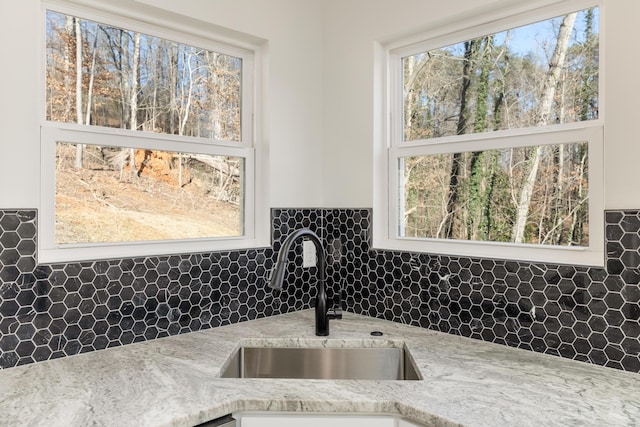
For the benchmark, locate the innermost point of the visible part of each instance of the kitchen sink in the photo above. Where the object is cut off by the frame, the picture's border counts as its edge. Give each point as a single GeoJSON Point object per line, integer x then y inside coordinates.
{"type": "Point", "coordinates": [377, 363]}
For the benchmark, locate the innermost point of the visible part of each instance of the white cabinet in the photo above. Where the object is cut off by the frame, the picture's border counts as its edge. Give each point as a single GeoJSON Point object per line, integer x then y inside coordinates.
{"type": "Point", "coordinates": [292, 419]}
{"type": "Point", "coordinates": [403, 422]}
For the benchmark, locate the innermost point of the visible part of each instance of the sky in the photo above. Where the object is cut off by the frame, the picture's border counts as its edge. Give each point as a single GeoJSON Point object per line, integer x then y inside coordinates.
{"type": "Point", "coordinates": [532, 38]}
{"type": "Point", "coordinates": [535, 38]}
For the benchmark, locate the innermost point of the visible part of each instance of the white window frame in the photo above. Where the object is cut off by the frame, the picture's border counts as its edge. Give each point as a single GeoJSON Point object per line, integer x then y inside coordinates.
{"type": "Point", "coordinates": [389, 145]}
{"type": "Point", "coordinates": [254, 183]}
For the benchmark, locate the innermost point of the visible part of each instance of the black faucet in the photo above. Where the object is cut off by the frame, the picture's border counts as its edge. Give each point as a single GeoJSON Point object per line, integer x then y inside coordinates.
{"type": "Point", "coordinates": [277, 278]}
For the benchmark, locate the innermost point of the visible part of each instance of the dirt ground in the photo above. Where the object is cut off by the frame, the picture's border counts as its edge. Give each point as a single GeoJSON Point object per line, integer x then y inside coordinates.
{"type": "Point", "coordinates": [95, 205]}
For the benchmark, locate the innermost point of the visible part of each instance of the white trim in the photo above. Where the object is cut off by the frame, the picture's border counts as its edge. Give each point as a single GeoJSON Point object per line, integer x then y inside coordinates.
{"type": "Point", "coordinates": [486, 21]}
{"type": "Point", "coordinates": [100, 135]}
{"type": "Point", "coordinates": [389, 146]}
{"type": "Point", "coordinates": [139, 249]}
{"type": "Point", "coordinates": [547, 135]}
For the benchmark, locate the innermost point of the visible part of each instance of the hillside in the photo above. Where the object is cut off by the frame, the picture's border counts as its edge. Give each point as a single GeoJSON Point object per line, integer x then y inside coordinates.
{"type": "Point", "coordinates": [94, 204]}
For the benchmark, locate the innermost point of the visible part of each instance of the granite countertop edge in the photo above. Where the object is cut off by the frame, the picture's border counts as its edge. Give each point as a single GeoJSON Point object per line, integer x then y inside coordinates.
{"type": "Point", "coordinates": [175, 381]}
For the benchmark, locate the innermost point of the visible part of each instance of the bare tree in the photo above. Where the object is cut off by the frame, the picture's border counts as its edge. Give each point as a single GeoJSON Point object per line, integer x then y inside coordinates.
{"type": "Point", "coordinates": [133, 100]}
{"type": "Point", "coordinates": [78, 91]}
{"type": "Point", "coordinates": [92, 75]}
{"type": "Point", "coordinates": [449, 220]}
{"type": "Point", "coordinates": [548, 92]}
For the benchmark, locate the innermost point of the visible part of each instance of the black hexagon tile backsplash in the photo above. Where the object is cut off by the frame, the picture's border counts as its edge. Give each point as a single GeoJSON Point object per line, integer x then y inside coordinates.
{"type": "Point", "coordinates": [583, 313]}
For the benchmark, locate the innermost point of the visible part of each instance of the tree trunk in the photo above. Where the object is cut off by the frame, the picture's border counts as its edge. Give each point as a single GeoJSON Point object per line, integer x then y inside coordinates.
{"type": "Point", "coordinates": [133, 102]}
{"type": "Point", "coordinates": [454, 176]}
{"type": "Point", "coordinates": [478, 176]}
{"type": "Point", "coordinates": [79, 147]}
{"type": "Point", "coordinates": [558, 210]}
{"type": "Point", "coordinates": [575, 231]}
{"type": "Point", "coordinates": [589, 89]}
{"type": "Point", "coordinates": [92, 73]}
{"type": "Point", "coordinates": [152, 126]}
{"type": "Point", "coordinates": [173, 86]}
{"type": "Point", "coordinates": [69, 53]}
{"type": "Point", "coordinates": [133, 119]}
{"type": "Point", "coordinates": [185, 112]}
{"type": "Point", "coordinates": [189, 96]}
{"type": "Point", "coordinates": [546, 103]}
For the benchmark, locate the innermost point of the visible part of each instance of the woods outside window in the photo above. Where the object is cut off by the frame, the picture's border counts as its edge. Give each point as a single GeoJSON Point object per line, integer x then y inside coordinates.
{"type": "Point", "coordinates": [494, 143]}
{"type": "Point", "coordinates": [148, 143]}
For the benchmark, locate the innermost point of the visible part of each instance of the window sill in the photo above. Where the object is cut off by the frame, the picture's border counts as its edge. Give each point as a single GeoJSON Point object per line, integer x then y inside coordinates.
{"type": "Point", "coordinates": [593, 257]}
{"type": "Point", "coordinates": [135, 250]}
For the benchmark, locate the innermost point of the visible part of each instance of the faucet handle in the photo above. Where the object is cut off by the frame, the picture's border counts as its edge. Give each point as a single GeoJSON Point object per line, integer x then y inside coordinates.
{"type": "Point", "coordinates": [334, 313]}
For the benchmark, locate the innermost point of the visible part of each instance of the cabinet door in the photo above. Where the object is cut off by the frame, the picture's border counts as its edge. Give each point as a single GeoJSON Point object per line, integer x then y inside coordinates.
{"type": "Point", "coordinates": [403, 422]}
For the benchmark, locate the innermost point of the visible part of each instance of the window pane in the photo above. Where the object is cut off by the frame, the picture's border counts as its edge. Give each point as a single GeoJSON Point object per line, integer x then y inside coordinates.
{"type": "Point", "coordinates": [479, 195]}
{"type": "Point", "coordinates": [128, 80]}
{"type": "Point", "coordinates": [160, 196]}
{"type": "Point", "coordinates": [505, 80]}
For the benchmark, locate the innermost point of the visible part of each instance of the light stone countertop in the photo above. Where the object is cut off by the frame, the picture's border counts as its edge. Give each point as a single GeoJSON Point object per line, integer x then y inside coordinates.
{"type": "Point", "coordinates": [174, 381]}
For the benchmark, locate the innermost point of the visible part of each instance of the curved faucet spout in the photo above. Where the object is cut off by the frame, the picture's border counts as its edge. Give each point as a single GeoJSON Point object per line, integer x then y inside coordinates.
{"type": "Point", "coordinates": [279, 271]}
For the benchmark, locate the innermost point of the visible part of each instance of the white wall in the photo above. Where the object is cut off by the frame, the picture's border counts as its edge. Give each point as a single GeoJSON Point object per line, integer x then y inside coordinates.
{"type": "Point", "coordinates": [19, 132]}
{"type": "Point", "coordinates": [320, 87]}
{"type": "Point", "coordinates": [352, 26]}
{"type": "Point", "coordinates": [622, 89]}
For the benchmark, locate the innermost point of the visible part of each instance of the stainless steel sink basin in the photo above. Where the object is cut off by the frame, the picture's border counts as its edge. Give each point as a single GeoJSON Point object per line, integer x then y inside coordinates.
{"type": "Point", "coordinates": [379, 363]}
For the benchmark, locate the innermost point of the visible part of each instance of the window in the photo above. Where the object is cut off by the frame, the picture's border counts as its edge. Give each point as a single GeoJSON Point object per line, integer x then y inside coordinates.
{"type": "Point", "coordinates": [148, 140]}
{"type": "Point", "coordinates": [492, 138]}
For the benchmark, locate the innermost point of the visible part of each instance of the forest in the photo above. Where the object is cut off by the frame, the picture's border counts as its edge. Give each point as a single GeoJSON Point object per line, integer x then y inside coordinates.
{"type": "Point", "coordinates": [100, 75]}
{"type": "Point", "coordinates": [534, 76]}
